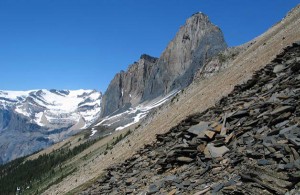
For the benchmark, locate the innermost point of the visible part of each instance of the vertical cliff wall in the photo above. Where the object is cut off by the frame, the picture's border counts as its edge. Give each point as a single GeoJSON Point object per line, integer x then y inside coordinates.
{"type": "Point", "coordinates": [197, 40]}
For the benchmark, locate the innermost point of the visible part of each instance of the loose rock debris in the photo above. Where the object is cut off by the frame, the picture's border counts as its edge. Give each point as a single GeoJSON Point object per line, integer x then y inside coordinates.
{"type": "Point", "coordinates": [249, 143]}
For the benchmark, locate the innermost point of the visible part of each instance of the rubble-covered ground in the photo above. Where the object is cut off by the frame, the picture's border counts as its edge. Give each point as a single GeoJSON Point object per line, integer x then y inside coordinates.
{"type": "Point", "coordinates": [249, 143]}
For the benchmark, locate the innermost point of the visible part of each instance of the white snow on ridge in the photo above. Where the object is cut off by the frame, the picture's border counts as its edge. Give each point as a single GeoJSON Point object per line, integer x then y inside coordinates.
{"type": "Point", "coordinates": [139, 112]}
{"type": "Point", "coordinates": [93, 132]}
{"type": "Point", "coordinates": [60, 103]}
{"type": "Point", "coordinates": [95, 96]}
{"type": "Point", "coordinates": [21, 111]}
{"type": "Point", "coordinates": [66, 106]}
{"type": "Point", "coordinates": [136, 119]}
{"type": "Point", "coordinates": [13, 95]}
{"type": "Point", "coordinates": [38, 118]}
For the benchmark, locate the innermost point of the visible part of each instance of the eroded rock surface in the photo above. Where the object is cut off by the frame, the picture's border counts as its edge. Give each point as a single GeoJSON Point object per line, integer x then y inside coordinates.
{"type": "Point", "coordinates": [196, 41]}
{"type": "Point", "coordinates": [253, 148]}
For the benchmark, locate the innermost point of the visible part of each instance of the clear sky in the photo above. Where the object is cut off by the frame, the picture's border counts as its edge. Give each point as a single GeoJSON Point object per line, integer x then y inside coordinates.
{"type": "Point", "coordinates": [73, 44]}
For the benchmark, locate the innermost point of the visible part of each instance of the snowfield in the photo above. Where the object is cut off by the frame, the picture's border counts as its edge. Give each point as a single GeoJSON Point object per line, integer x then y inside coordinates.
{"type": "Point", "coordinates": [53, 108]}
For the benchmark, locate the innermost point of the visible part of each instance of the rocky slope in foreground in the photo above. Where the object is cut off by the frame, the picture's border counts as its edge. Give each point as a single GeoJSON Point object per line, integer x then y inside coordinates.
{"type": "Point", "coordinates": [248, 143]}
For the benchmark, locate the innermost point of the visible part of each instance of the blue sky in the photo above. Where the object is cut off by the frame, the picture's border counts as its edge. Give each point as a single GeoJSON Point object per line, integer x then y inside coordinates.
{"type": "Point", "coordinates": [73, 44]}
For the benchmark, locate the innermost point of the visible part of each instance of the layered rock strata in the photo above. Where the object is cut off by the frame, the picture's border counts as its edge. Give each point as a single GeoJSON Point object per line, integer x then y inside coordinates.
{"type": "Point", "coordinates": [247, 144]}
{"type": "Point", "coordinates": [149, 78]}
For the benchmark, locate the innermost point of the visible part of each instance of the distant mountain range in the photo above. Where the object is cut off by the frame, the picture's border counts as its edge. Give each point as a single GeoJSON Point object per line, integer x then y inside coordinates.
{"type": "Point", "coordinates": [32, 120]}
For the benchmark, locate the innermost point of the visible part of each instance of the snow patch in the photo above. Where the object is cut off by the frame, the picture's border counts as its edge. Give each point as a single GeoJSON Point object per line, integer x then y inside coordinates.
{"type": "Point", "coordinates": [139, 112]}
{"type": "Point", "coordinates": [66, 106]}
{"type": "Point", "coordinates": [38, 118]}
{"type": "Point", "coordinates": [15, 94]}
{"type": "Point", "coordinates": [21, 111]}
{"type": "Point", "coordinates": [93, 132]}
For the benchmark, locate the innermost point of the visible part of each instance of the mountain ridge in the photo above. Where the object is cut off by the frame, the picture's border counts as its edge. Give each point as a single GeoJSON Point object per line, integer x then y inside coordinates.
{"type": "Point", "coordinates": [151, 77]}
{"type": "Point", "coordinates": [199, 96]}
{"type": "Point", "coordinates": [48, 115]}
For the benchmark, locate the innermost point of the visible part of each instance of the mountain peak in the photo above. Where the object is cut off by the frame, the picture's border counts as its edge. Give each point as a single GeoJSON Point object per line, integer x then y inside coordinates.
{"type": "Point", "coordinates": [148, 57]}
{"type": "Point", "coordinates": [149, 78]}
{"type": "Point", "coordinates": [199, 14]}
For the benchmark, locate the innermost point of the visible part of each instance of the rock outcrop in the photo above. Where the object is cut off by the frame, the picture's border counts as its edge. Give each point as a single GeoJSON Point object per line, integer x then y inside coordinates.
{"type": "Point", "coordinates": [248, 143]}
{"type": "Point", "coordinates": [127, 88]}
{"type": "Point", "coordinates": [149, 78]}
{"type": "Point", "coordinates": [218, 62]}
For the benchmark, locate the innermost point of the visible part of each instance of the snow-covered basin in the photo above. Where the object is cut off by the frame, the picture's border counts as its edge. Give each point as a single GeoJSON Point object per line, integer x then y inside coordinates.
{"type": "Point", "coordinates": [49, 106]}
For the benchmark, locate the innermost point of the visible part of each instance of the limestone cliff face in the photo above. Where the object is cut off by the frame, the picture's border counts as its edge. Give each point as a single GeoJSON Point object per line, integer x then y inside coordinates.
{"type": "Point", "coordinates": [127, 88]}
{"type": "Point", "coordinates": [149, 78]}
{"type": "Point", "coordinates": [196, 41]}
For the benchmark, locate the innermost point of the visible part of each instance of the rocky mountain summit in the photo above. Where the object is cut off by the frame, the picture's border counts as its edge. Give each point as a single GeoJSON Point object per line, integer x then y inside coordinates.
{"type": "Point", "coordinates": [149, 78]}
{"type": "Point", "coordinates": [32, 120]}
{"type": "Point", "coordinates": [248, 143]}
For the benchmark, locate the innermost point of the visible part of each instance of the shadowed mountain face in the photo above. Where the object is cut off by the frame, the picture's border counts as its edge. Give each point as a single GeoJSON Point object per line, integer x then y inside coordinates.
{"type": "Point", "coordinates": [32, 120]}
{"type": "Point", "coordinates": [152, 77]}
{"type": "Point", "coordinates": [20, 137]}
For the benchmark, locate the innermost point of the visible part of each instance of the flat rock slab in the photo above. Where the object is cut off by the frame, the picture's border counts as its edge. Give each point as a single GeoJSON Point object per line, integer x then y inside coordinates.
{"type": "Point", "coordinates": [184, 159]}
{"type": "Point", "coordinates": [216, 151]}
{"type": "Point", "coordinates": [295, 141]}
{"type": "Point", "coordinates": [238, 114]}
{"type": "Point", "coordinates": [278, 68]}
{"type": "Point", "coordinates": [263, 162]}
{"type": "Point", "coordinates": [210, 134]}
{"type": "Point", "coordinates": [218, 128]}
{"type": "Point", "coordinates": [282, 109]}
{"type": "Point", "coordinates": [172, 192]}
{"type": "Point", "coordinates": [170, 178]}
{"type": "Point", "coordinates": [152, 189]}
{"type": "Point", "coordinates": [199, 129]}
{"type": "Point", "coordinates": [288, 129]}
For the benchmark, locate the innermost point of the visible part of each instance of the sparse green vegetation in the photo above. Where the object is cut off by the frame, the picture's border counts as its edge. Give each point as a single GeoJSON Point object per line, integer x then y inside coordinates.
{"type": "Point", "coordinates": [35, 176]}
{"type": "Point", "coordinates": [116, 140]}
{"type": "Point", "coordinates": [127, 133]}
{"type": "Point", "coordinates": [175, 98]}
{"type": "Point", "coordinates": [222, 57]}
